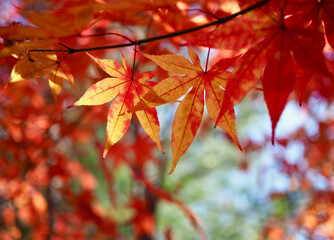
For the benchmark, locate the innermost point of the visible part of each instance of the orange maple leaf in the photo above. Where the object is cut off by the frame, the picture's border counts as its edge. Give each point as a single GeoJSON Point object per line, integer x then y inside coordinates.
{"type": "Point", "coordinates": [190, 112]}
{"type": "Point", "coordinates": [37, 64]}
{"type": "Point", "coordinates": [124, 89]}
{"type": "Point", "coordinates": [72, 18]}
{"type": "Point", "coordinates": [21, 47]}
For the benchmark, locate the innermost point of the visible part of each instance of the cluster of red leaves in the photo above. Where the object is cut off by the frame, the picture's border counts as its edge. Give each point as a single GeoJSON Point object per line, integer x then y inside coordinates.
{"type": "Point", "coordinates": [284, 42]}
{"type": "Point", "coordinates": [280, 43]}
{"type": "Point", "coordinates": [37, 171]}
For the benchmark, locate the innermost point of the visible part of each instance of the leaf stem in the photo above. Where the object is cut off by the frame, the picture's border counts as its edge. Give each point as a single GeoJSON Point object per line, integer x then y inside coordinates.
{"type": "Point", "coordinates": [134, 62]}
{"type": "Point", "coordinates": [207, 61]}
{"type": "Point", "coordinates": [161, 37]}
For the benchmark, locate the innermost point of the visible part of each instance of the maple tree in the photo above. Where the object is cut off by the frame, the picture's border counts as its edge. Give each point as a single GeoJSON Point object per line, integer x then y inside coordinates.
{"type": "Point", "coordinates": [128, 55]}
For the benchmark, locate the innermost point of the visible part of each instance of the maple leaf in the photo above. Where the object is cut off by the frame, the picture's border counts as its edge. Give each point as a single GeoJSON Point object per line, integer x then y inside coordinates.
{"type": "Point", "coordinates": [72, 18]}
{"type": "Point", "coordinates": [37, 64]}
{"type": "Point", "coordinates": [124, 89]}
{"type": "Point", "coordinates": [141, 5]}
{"type": "Point", "coordinates": [317, 16]}
{"type": "Point", "coordinates": [18, 48]}
{"type": "Point", "coordinates": [278, 46]}
{"type": "Point", "coordinates": [190, 112]}
{"type": "Point", "coordinates": [18, 32]}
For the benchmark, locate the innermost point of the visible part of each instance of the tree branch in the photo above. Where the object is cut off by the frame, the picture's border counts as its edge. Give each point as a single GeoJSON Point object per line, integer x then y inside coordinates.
{"type": "Point", "coordinates": [170, 35]}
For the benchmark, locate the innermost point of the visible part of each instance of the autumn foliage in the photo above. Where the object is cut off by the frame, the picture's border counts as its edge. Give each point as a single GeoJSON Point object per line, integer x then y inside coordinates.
{"type": "Point", "coordinates": [69, 69]}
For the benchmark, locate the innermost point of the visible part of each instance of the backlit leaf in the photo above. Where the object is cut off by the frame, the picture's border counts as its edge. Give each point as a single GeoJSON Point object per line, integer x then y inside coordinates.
{"type": "Point", "coordinates": [126, 89]}
{"type": "Point", "coordinates": [189, 113]}
{"type": "Point", "coordinates": [37, 64]}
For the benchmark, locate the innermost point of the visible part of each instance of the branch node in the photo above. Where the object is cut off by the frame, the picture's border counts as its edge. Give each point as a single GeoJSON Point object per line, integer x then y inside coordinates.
{"type": "Point", "coordinates": [70, 50]}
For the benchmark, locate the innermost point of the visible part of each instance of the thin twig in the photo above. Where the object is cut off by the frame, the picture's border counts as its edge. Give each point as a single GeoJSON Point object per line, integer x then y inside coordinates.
{"type": "Point", "coordinates": [157, 38]}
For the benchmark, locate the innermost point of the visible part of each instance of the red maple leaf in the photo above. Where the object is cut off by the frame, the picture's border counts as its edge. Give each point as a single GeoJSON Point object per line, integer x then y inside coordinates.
{"type": "Point", "coordinates": [124, 89]}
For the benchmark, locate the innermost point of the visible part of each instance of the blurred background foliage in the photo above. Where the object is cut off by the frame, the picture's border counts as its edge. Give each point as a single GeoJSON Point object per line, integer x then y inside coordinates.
{"type": "Point", "coordinates": [54, 184]}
